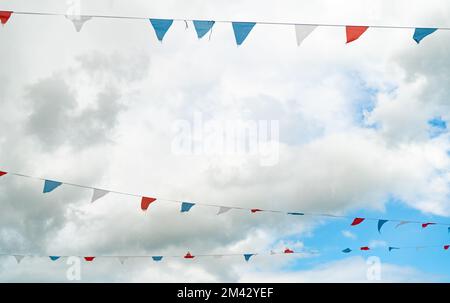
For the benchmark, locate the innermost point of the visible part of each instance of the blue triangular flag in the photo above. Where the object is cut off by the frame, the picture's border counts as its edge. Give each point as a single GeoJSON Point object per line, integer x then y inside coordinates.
{"type": "Point", "coordinates": [241, 30]}
{"type": "Point", "coordinates": [202, 27]}
{"type": "Point", "coordinates": [50, 185]}
{"type": "Point", "coordinates": [186, 206]}
{"type": "Point", "coordinates": [161, 26]}
{"type": "Point", "coordinates": [248, 256]}
{"type": "Point", "coordinates": [54, 258]}
{"type": "Point", "coordinates": [157, 258]}
{"type": "Point", "coordinates": [347, 250]}
{"type": "Point", "coordinates": [421, 33]}
{"type": "Point", "coordinates": [296, 214]}
{"type": "Point", "coordinates": [380, 224]}
{"type": "Point", "coordinates": [392, 248]}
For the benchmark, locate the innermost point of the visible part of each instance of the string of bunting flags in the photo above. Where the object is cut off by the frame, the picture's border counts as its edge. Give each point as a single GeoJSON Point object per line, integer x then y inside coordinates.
{"type": "Point", "coordinates": [159, 258]}
{"type": "Point", "coordinates": [247, 256]}
{"type": "Point", "coordinates": [185, 207]}
{"type": "Point", "coordinates": [241, 30]}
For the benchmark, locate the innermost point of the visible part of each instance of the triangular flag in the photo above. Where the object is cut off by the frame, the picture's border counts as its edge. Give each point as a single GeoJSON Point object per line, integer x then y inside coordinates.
{"type": "Point", "coordinates": [248, 256]}
{"type": "Point", "coordinates": [357, 221]}
{"type": "Point", "coordinates": [189, 256]}
{"type": "Point", "coordinates": [365, 248]}
{"type": "Point", "coordinates": [122, 259]}
{"type": "Point", "coordinates": [161, 26]}
{"type": "Point", "coordinates": [347, 250]}
{"type": "Point", "coordinates": [157, 258]}
{"type": "Point", "coordinates": [303, 31]}
{"type": "Point", "coordinates": [54, 258]}
{"type": "Point", "coordinates": [446, 247]}
{"type": "Point", "coordinates": [186, 206]}
{"type": "Point", "coordinates": [2, 173]}
{"type": "Point", "coordinates": [255, 210]}
{"type": "Point", "coordinates": [19, 258]}
{"type": "Point", "coordinates": [241, 30]}
{"type": "Point", "coordinates": [288, 251]}
{"type": "Point", "coordinates": [296, 214]}
{"type": "Point", "coordinates": [98, 193]}
{"type": "Point", "coordinates": [50, 185]}
{"type": "Point", "coordinates": [202, 27]}
{"type": "Point", "coordinates": [393, 248]}
{"type": "Point", "coordinates": [402, 223]}
{"type": "Point", "coordinates": [4, 16]}
{"type": "Point", "coordinates": [89, 259]}
{"type": "Point", "coordinates": [425, 225]}
{"type": "Point", "coordinates": [78, 21]}
{"type": "Point", "coordinates": [223, 210]}
{"type": "Point", "coordinates": [420, 33]}
{"type": "Point", "coordinates": [380, 224]}
{"type": "Point", "coordinates": [354, 32]}
{"type": "Point", "coordinates": [146, 201]}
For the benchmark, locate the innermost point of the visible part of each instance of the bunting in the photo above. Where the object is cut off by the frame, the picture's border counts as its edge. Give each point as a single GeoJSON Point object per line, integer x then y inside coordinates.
{"type": "Point", "coordinates": [202, 27]}
{"type": "Point", "coordinates": [186, 206]}
{"type": "Point", "coordinates": [50, 186]}
{"type": "Point", "coordinates": [302, 32]}
{"type": "Point", "coordinates": [420, 33]}
{"type": "Point", "coordinates": [241, 30]}
{"type": "Point", "coordinates": [223, 209]}
{"type": "Point", "coordinates": [161, 26]}
{"type": "Point", "coordinates": [354, 32]}
{"type": "Point", "coordinates": [189, 256]}
{"type": "Point", "coordinates": [97, 193]}
{"type": "Point", "coordinates": [357, 221]}
{"type": "Point", "coordinates": [78, 21]}
{"type": "Point", "coordinates": [248, 256]}
{"type": "Point", "coordinates": [381, 223]}
{"type": "Point", "coordinates": [146, 201]}
{"type": "Point", "coordinates": [4, 16]}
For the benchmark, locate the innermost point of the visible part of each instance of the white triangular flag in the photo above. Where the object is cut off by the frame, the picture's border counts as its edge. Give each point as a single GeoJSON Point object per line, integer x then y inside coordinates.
{"type": "Point", "coordinates": [223, 210]}
{"type": "Point", "coordinates": [303, 31]}
{"type": "Point", "coordinates": [98, 193]}
{"type": "Point", "coordinates": [19, 258]}
{"type": "Point", "coordinates": [122, 260]}
{"type": "Point", "coordinates": [401, 223]}
{"type": "Point", "coordinates": [78, 21]}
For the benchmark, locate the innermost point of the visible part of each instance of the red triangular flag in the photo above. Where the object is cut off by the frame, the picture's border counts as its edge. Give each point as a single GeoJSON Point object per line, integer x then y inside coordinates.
{"type": "Point", "coordinates": [357, 221]}
{"type": "Point", "coordinates": [425, 225]}
{"type": "Point", "coordinates": [4, 16]}
{"type": "Point", "coordinates": [89, 259]}
{"type": "Point", "coordinates": [446, 247]}
{"type": "Point", "coordinates": [288, 251]}
{"type": "Point", "coordinates": [189, 256]}
{"type": "Point", "coordinates": [365, 248]}
{"type": "Point", "coordinates": [146, 201]}
{"type": "Point", "coordinates": [254, 210]}
{"type": "Point", "coordinates": [2, 173]}
{"type": "Point", "coordinates": [354, 32]}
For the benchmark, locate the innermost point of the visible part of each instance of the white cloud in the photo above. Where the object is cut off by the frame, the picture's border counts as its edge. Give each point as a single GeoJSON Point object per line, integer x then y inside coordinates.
{"type": "Point", "coordinates": [328, 161]}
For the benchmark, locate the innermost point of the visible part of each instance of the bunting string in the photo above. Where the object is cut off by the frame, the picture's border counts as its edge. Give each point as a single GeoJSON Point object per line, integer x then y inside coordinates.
{"type": "Point", "coordinates": [148, 200]}
{"type": "Point", "coordinates": [247, 256]}
{"type": "Point", "coordinates": [241, 29]}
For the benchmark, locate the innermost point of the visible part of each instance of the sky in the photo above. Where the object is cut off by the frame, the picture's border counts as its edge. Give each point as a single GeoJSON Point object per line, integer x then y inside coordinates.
{"type": "Point", "coordinates": [360, 130]}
